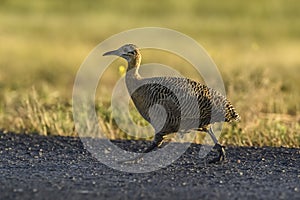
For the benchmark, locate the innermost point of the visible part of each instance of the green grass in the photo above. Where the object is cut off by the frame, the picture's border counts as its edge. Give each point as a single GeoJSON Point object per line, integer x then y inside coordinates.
{"type": "Point", "coordinates": [255, 44]}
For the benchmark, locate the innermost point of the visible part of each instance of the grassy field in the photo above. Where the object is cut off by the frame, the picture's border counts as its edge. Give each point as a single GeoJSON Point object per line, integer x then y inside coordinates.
{"type": "Point", "coordinates": [255, 44]}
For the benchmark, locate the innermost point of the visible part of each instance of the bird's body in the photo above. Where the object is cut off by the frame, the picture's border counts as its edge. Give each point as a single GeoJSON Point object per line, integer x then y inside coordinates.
{"type": "Point", "coordinates": [172, 104]}
{"type": "Point", "coordinates": [186, 102]}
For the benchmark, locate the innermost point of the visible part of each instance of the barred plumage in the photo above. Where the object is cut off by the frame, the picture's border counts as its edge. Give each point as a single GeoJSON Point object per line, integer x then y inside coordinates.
{"type": "Point", "coordinates": [172, 104]}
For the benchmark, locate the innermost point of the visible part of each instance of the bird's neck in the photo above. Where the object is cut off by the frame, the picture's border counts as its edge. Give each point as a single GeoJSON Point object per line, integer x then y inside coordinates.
{"type": "Point", "coordinates": [133, 68]}
{"type": "Point", "coordinates": [132, 77]}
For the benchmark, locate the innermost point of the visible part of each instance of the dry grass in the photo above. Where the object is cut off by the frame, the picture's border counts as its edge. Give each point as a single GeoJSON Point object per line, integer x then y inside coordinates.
{"type": "Point", "coordinates": [255, 45]}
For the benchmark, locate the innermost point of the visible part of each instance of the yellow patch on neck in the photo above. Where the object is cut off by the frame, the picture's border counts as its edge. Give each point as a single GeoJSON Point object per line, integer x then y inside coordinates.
{"type": "Point", "coordinates": [122, 70]}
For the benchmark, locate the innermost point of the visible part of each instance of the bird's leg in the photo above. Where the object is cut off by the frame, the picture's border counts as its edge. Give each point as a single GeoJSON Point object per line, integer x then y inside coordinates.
{"type": "Point", "coordinates": [220, 149]}
{"type": "Point", "coordinates": [158, 138]}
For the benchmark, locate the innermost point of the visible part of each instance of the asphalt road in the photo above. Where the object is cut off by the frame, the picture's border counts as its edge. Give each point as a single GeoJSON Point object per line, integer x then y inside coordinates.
{"type": "Point", "coordinates": [38, 167]}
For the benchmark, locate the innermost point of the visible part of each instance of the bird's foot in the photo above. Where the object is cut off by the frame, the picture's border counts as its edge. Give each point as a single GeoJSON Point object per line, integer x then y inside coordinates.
{"type": "Point", "coordinates": [221, 154]}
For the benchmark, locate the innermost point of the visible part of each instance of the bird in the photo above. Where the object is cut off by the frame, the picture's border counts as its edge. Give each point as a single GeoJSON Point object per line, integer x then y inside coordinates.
{"type": "Point", "coordinates": [183, 103]}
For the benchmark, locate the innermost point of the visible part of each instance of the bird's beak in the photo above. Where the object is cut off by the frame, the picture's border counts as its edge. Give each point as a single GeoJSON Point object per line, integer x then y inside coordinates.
{"type": "Point", "coordinates": [115, 52]}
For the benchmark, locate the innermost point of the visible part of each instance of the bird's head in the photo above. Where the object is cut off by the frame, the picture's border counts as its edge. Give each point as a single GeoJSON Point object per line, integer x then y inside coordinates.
{"type": "Point", "coordinates": [129, 52]}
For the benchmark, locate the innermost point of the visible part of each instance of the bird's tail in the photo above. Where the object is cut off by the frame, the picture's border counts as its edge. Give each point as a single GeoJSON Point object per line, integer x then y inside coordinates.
{"type": "Point", "coordinates": [231, 114]}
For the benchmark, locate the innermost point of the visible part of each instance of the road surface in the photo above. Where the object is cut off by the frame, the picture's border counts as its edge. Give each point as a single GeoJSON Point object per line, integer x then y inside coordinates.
{"type": "Point", "coordinates": [39, 167]}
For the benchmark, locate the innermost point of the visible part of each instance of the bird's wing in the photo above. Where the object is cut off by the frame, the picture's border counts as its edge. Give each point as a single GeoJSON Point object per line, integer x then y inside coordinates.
{"type": "Point", "coordinates": [195, 100]}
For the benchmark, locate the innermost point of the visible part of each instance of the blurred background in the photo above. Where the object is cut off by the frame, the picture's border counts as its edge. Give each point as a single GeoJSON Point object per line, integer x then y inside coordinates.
{"type": "Point", "coordinates": [255, 44]}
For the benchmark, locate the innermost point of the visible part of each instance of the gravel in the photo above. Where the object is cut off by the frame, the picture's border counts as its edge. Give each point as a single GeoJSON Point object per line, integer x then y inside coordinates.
{"type": "Point", "coordinates": [52, 167]}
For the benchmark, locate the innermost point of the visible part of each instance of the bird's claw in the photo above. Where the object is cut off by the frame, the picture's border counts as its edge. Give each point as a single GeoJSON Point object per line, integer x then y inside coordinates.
{"type": "Point", "coordinates": [221, 154]}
